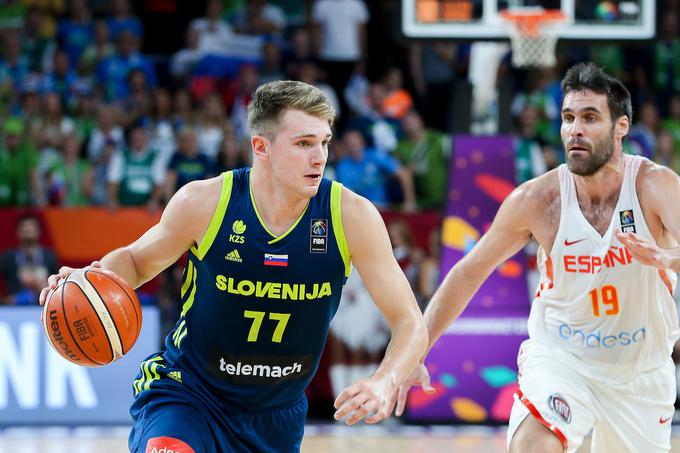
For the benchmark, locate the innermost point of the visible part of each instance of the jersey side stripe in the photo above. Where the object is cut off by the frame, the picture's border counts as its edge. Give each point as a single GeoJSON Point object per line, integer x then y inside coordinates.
{"type": "Point", "coordinates": [139, 384]}
{"type": "Point", "coordinates": [338, 229]}
{"type": "Point", "coordinates": [152, 369]}
{"type": "Point", "coordinates": [216, 221]}
{"type": "Point", "coordinates": [190, 301]}
{"type": "Point", "coordinates": [666, 280]}
{"type": "Point", "coordinates": [187, 278]}
{"type": "Point", "coordinates": [177, 333]}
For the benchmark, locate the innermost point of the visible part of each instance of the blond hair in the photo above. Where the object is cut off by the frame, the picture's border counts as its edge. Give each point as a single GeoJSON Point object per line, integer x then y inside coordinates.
{"type": "Point", "coordinates": [273, 99]}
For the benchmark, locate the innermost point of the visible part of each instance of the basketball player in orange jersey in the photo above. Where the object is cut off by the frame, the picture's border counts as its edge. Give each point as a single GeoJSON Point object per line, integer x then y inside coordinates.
{"type": "Point", "coordinates": [269, 249]}
{"type": "Point", "coordinates": [602, 324]}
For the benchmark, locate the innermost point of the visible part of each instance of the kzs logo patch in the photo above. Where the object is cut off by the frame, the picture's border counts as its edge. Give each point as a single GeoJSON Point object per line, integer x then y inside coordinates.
{"type": "Point", "coordinates": [560, 407]}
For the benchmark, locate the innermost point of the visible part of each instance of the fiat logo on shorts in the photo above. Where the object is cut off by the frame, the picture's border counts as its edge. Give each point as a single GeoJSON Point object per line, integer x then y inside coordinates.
{"type": "Point", "coordinates": [559, 406]}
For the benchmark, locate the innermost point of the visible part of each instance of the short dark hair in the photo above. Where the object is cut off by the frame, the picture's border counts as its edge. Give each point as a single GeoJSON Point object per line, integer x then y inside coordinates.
{"type": "Point", "coordinates": [589, 76]}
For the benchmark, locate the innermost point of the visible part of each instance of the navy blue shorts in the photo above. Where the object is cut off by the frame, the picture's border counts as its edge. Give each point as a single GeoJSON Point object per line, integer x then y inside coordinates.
{"type": "Point", "coordinates": [171, 418]}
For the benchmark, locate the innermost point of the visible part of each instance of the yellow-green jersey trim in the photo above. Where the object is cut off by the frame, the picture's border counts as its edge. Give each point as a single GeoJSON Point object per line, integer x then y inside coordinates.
{"type": "Point", "coordinates": [188, 278]}
{"type": "Point", "coordinates": [190, 300]}
{"type": "Point", "coordinates": [338, 229]}
{"type": "Point", "coordinates": [216, 221]}
{"type": "Point", "coordinates": [147, 367]}
{"type": "Point", "coordinates": [257, 213]}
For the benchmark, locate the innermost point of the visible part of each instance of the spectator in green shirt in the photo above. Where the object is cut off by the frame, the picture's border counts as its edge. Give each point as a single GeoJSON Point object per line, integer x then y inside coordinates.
{"type": "Point", "coordinates": [426, 153]}
{"type": "Point", "coordinates": [136, 174]}
{"type": "Point", "coordinates": [18, 160]}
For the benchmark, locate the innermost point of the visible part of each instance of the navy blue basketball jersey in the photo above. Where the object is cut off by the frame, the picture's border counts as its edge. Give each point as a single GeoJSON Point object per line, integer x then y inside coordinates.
{"type": "Point", "coordinates": [255, 306]}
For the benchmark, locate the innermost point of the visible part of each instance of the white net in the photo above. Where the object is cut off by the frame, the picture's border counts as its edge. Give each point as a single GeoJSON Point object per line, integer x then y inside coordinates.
{"type": "Point", "coordinates": [533, 39]}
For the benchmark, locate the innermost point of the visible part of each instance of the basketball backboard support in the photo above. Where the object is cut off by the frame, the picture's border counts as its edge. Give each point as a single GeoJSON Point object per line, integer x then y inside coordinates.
{"type": "Point", "coordinates": [480, 19]}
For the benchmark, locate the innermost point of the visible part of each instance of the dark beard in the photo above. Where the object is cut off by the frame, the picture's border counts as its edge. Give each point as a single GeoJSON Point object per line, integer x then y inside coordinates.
{"type": "Point", "coordinates": [600, 154]}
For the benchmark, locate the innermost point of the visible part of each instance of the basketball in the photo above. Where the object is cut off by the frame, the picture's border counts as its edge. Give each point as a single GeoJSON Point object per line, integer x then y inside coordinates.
{"type": "Point", "coordinates": [92, 318]}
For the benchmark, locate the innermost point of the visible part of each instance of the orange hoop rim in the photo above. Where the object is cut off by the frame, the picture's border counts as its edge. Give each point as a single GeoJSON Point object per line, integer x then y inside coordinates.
{"type": "Point", "coordinates": [528, 22]}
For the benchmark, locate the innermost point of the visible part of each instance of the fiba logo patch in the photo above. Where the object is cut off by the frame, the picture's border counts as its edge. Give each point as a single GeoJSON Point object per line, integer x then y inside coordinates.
{"type": "Point", "coordinates": [627, 221]}
{"type": "Point", "coordinates": [318, 236]}
{"type": "Point", "coordinates": [560, 407]}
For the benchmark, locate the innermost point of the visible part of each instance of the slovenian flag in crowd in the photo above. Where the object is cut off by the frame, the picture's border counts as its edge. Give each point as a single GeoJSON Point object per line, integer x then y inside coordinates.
{"type": "Point", "coordinates": [275, 260]}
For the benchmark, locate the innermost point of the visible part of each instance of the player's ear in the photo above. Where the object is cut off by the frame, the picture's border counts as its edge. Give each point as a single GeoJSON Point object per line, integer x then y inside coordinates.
{"type": "Point", "coordinates": [260, 145]}
{"type": "Point", "coordinates": [622, 126]}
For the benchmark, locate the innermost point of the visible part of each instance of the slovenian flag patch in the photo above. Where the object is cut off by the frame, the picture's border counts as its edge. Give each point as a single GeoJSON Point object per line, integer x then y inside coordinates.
{"type": "Point", "coordinates": [275, 260]}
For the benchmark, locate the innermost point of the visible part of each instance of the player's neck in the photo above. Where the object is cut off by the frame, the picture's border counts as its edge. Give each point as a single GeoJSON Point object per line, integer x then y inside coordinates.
{"type": "Point", "coordinates": [605, 182]}
{"type": "Point", "coordinates": [278, 209]}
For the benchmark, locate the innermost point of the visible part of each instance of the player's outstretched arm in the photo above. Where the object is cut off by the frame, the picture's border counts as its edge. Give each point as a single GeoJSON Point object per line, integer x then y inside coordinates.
{"type": "Point", "coordinates": [658, 191]}
{"type": "Point", "coordinates": [507, 235]}
{"type": "Point", "coordinates": [371, 252]}
{"type": "Point", "coordinates": [183, 223]}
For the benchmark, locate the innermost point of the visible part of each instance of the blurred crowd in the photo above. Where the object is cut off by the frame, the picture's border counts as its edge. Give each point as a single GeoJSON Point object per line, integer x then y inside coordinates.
{"type": "Point", "coordinates": [119, 104]}
{"type": "Point", "coordinates": [89, 117]}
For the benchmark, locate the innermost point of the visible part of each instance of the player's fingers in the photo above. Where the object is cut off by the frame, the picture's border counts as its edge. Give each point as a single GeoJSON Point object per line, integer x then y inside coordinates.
{"type": "Point", "coordinates": [348, 393]}
{"type": "Point", "coordinates": [382, 414]}
{"type": "Point", "coordinates": [96, 264]}
{"type": "Point", "coordinates": [389, 407]}
{"type": "Point", "coordinates": [65, 271]}
{"type": "Point", "coordinates": [351, 405]}
{"type": "Point", "coordinates": [427, 386]}
{"type": "Point", "coordinates": [43, 296]}
{"type": "Point", "coordinates": [362, 411]}
{"type": "Point", "coordinates": [52, 281]}
{"type": "Point", "coordinates": [401, 399]}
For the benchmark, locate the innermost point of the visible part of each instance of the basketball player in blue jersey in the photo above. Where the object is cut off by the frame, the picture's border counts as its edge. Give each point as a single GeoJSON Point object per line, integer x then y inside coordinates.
{"type": "Point", "coordinates": [603, 322]}
{"type": "Point", "coordinates": [269, 248]}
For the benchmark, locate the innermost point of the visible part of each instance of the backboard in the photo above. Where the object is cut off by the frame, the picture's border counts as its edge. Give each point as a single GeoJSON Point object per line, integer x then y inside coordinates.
{"type": "Point", "coordinates": [479, 19]}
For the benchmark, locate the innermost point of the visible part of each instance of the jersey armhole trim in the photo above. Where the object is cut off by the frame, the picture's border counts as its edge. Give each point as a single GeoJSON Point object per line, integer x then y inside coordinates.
{"type": "Point", "coordinates": [338, 229]}
{"type": "Point", "coordinates": [218, 216]}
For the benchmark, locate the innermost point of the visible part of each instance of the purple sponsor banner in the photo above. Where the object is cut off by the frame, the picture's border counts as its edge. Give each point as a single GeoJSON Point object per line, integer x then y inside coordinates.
{"type": "Point", "coordinates": [473, 365]}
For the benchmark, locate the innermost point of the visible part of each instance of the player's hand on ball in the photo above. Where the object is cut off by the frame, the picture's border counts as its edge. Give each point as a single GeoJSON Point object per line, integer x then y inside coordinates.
{"type": "Point", "coordinates": [419, 376]}
{"type": "Point", "coordinates": [53, 280]}
{"type": "Point", "coordinates": [372, 398]}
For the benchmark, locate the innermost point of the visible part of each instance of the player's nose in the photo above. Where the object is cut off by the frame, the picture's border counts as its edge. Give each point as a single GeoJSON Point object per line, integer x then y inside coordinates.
{"type": "Point", "coordinates": [577, 128]}
{"type": "Point", "coordinates": [319, 155]}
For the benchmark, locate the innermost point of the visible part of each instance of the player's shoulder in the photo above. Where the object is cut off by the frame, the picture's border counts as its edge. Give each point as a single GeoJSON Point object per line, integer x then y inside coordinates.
{"type": "Point", "coordinates": [201, 191]}
{"type": "Point", "coordinates": [354, 204]}
{"type": "Point", "coordinates": [650, 170]}
{"type": "Point", "coordinates": [537, 193]}
{"type": "Point", "coordinates": [197, 199]}
{"type": "Point", "coordinates": [653, 176]}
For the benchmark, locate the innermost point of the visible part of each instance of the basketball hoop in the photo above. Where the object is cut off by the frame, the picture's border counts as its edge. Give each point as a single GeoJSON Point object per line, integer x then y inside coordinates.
{"type": "Point", "coordinates": [533, 34]}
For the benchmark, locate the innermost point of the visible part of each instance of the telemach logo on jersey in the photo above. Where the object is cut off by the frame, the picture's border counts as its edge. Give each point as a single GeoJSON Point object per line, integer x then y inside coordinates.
{"type": "Point", "coordinates": [318, 236]}
{"type": "Point", "coordinates": [262, 369]}
{"type": "Point", "coordinates": [627, 221]}
{"type": "Point", "coordinates": [559, 406]}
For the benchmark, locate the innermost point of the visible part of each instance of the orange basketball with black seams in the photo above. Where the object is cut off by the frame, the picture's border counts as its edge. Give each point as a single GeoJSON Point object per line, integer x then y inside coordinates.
{"type": "Point", "coordinates": [92, 318]}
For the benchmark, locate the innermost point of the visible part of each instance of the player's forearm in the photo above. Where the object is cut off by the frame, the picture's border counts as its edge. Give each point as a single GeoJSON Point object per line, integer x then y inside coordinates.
{"type": "Point", "coordinates": [449, 301]}
{"type": "Point", "coordinates": [405, 350]}
{"type": "Point", "coordinates": [122, 262]}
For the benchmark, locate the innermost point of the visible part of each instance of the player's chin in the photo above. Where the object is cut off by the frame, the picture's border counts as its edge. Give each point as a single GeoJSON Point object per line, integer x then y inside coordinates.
{"type": "Point", "coordinates": [311, 186]}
